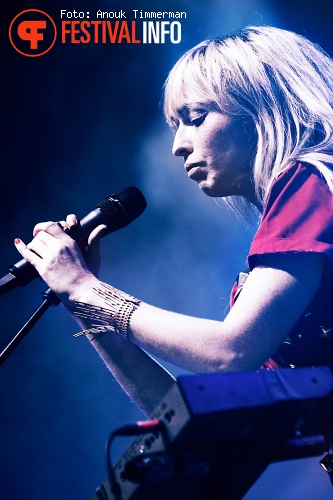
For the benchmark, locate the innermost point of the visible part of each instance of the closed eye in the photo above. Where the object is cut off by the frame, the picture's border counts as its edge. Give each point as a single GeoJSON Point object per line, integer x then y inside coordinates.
{"type": "Point", "coordinates": [193, 117]}
{"type": "Point", "coordinates": [196, 116]}
{"type": "Point", "coordinates": [196, 122]}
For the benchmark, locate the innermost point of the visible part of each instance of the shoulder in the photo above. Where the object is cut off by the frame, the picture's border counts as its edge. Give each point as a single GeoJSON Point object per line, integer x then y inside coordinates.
{"type": "Point", "coordinates": [297, 176]}
{"type": "Point", "coordinates": [298, 215]}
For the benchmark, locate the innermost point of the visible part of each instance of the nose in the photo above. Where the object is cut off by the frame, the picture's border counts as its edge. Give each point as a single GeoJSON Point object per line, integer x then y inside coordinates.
{"type": "Point", "coordinates": [182, 144]}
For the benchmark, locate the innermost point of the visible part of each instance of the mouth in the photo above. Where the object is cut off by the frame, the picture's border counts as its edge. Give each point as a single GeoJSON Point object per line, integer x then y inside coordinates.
{"type": "Point", "coordinates": [189, 166]}
{"type": "Point", "coordinates": [193, 170]}
{"type": "Point", "coordinates": [192, 167]}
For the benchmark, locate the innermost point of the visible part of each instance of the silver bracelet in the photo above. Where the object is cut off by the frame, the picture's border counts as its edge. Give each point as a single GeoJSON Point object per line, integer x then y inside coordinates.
{"type": "Point", "coordinates": [116, 316]}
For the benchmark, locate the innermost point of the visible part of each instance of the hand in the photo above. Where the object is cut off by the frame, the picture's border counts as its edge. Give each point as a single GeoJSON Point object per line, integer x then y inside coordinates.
{"type": "Point", "coordinates": [92, 252]}
{"type": "Point", "coordinates": [58, 259]}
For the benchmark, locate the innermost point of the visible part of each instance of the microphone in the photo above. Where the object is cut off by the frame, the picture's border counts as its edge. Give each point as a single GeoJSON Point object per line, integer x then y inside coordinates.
{"type": "Point", "coordinates": [115, 211]}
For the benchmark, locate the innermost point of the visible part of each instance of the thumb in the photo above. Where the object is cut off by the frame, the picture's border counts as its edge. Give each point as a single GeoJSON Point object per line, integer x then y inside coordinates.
{"type": "Point", "coordinates": [96, 235]}
{"type": "Point", "coordinates": [93, 256]}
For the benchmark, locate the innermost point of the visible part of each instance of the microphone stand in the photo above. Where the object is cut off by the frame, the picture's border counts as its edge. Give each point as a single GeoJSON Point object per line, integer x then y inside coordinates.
{"type": "Point", "coordinates": [50, 299]}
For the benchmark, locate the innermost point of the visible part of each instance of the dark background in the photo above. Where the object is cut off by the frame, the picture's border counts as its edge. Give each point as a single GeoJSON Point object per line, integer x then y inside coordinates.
{"type": "Point", "coordinates": [79, 123]}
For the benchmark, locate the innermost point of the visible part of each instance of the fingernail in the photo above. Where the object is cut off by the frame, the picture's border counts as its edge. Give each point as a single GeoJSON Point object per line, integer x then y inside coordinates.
{"type": "Point", "coordinates": [17, 241]}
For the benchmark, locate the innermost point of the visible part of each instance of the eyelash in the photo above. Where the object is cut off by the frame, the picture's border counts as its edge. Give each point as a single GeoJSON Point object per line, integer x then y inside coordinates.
{"type": "Point", "coordinates": [196, 122]}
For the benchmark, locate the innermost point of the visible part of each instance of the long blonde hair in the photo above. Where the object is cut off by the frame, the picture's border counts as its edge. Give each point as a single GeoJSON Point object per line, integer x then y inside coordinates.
{"type": "Point", "coordinates": [279, 79]}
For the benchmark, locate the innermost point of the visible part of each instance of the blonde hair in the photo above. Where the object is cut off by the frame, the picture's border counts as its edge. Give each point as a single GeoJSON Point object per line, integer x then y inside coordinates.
{"type": "Point", "coordinates": [279, 79]}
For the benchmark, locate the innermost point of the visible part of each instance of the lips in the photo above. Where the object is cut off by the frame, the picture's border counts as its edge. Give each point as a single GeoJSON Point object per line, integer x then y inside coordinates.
{"type": "Point", "coordinates": [189, 166]}
{"type": "Point", "coordinates": [193, 170]}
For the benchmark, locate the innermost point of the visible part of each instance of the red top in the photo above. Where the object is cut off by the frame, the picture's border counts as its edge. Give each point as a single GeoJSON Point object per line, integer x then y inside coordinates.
{"type": "Point", "coordinates": [298, 217]}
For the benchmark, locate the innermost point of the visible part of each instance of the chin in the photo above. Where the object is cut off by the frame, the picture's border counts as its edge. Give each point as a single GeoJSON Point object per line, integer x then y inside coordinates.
{"type": "Point", "coordinates": [212, 190]}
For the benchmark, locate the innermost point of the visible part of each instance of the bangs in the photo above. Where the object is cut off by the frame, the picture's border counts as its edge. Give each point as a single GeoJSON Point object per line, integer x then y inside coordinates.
{"type": "Point", "coordinates": [187, 84]}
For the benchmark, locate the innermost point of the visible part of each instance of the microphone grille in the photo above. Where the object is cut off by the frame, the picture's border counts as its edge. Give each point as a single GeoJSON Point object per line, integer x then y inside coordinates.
{"type": "Point", "coordinates": [123, 207]}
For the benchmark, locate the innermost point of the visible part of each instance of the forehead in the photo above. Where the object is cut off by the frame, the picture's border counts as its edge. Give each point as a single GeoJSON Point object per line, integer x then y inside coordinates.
{"type": "Point", "coordinates": [184, 99]}
{"type": "Point", "coordinates": [185, 89]}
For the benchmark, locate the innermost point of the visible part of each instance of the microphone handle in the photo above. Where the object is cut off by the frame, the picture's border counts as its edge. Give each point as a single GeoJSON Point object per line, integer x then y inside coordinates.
{"type": "Point", "coordinates": [23, 272]}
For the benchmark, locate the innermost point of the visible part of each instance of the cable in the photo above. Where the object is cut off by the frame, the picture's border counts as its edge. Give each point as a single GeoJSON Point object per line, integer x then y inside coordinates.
{"type": "Point", "coordinates": [127, 430]}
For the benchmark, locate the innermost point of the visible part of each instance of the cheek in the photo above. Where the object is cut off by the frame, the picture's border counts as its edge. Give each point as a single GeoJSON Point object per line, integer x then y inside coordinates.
{"type": "Point", "coordinates": [215, 142]}
{"type": "Point", "coordinates": [240, 147]}
{"type": "Point", "coordinates": [246, 153]}
{"type": "Point", "coordinates": [220, 145]}
{"type": "Point", "coordinates": [246, 141]}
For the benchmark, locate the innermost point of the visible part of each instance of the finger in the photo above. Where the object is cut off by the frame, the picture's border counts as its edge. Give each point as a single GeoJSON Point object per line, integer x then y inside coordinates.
{"type": "Point", "coordinates": [94, 256]}
{"type": "Point", "coordinates": [53, 237]}
{"type": "Point", "coordinates": [96, 235]}
{"type": "Point", "coordinates": [29, 255]}
{"type": "Point", "coordinates": [56, 231]}
{"type": "Point", "coordinates": [42, 226]}
{"type": "Point", "coordinates": [72, 220]}
{"type": "Point", "coordinates": [41, 244]}
{"type": "Point", "coordinates": [64, 225]}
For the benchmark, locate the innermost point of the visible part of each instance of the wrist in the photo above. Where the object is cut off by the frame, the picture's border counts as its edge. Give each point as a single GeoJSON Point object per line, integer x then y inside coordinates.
{"type": "Point", "coordinates": [82, 291]}
{"type": "Point", "coordinates": [108, 309]}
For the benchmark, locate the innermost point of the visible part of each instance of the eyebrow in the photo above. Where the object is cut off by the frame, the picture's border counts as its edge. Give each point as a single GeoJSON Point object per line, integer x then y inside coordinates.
{"type": "Point", "coordinates": [187, 108]}
{"type": "Point", "coordinates": [183, 112]}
